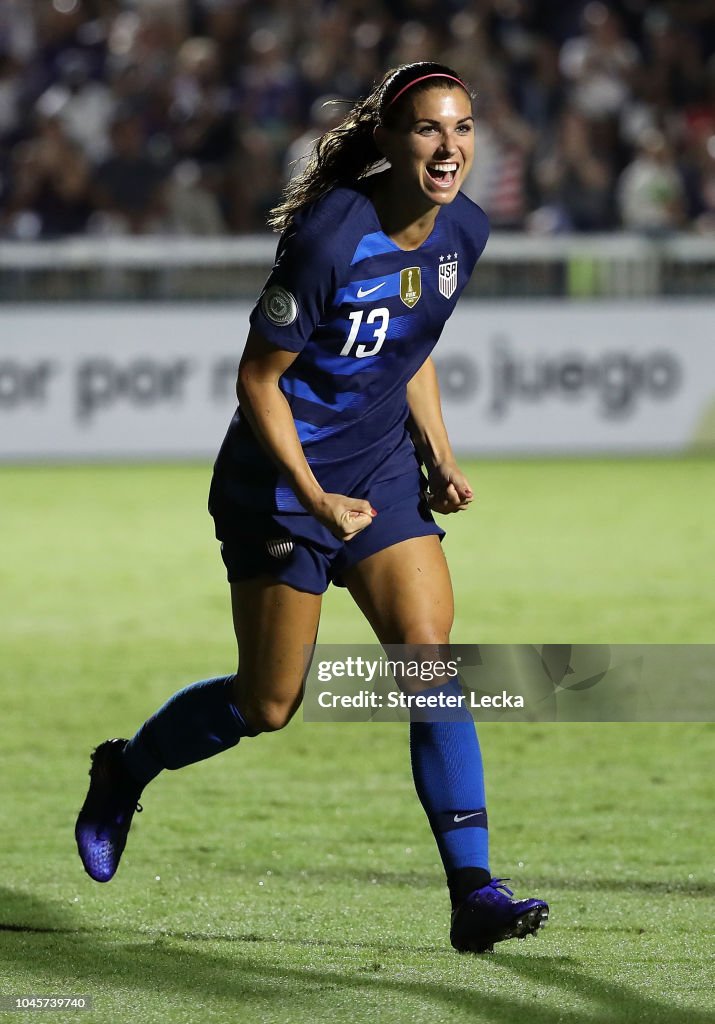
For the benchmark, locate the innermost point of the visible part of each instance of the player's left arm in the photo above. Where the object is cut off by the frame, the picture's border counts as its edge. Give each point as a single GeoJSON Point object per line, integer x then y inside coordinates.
{"type": "Point", "coordinates": [449, 488]}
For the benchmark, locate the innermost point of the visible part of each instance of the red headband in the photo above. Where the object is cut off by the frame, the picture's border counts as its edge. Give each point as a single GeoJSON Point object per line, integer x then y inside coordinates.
{"type": "Point", "coordinates": [434, 74]}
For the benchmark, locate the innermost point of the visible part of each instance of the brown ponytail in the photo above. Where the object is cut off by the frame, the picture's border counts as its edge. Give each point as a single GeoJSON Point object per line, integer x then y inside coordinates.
{"type": "Point", "coordinates": [348, 152]}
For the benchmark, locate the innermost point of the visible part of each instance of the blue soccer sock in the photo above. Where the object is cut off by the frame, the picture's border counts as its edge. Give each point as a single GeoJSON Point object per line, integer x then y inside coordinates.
{"type": "Point", "coordinates": [197, 722]}
{"type": "Point", "coordinates": [449, 779]}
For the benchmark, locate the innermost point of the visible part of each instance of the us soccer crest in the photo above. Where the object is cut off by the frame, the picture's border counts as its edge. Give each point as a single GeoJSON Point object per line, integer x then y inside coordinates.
{"type": "Point", "coordinates": [410, 286]}
{"type": "Point", "coordinates": [448, 275]}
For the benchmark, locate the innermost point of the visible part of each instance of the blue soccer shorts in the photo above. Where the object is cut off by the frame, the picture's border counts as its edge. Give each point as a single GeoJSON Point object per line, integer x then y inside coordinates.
{"type": "Point", "coordinates": [296, 549]}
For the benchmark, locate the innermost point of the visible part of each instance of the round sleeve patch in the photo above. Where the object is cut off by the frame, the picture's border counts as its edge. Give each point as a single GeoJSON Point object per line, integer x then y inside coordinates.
{"type": "Point", "coordinates": [279, 306]}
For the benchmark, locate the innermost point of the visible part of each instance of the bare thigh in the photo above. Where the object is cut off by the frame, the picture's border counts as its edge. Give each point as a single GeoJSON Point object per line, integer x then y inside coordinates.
{"type": "Point", "coordinates": [405, 592]}
{"type": "Point", "coordinates": [273, 624]}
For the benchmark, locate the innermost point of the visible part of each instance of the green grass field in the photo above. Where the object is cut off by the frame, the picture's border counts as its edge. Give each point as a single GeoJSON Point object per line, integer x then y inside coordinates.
{"type": "Point", "coordinates": [295, 879]}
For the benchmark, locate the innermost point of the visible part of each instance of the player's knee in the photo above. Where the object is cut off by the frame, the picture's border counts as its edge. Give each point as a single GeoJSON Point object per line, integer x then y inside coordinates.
{"type": "Point", "coordinates": [425, 635]}
{"type": "Point", "coordinates": [269, 715]}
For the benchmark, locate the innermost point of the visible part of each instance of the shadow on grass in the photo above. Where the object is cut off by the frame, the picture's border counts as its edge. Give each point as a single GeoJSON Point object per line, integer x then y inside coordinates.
{"type": "Point", "coordinates": [176, 971]}
{"type": "Point", "coordinates": [544, 884]}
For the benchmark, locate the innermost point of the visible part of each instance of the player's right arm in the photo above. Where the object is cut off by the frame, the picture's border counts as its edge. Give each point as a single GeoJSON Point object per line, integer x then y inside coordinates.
{"type": "Point", "coordinates": [265, 407]}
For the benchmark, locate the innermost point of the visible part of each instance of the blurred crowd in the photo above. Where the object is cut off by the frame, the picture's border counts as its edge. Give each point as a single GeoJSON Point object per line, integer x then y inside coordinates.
{"type": "Point", "coordinates": [188, 116]}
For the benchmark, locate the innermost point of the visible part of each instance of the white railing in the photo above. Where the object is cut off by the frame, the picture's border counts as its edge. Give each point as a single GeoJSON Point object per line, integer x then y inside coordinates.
{"type": "Point", "coordinates": [151, 253]}
{"type": "Point", "coordinates": [612, 265]}
{"type": "Point", "coordinates": [82, 252]}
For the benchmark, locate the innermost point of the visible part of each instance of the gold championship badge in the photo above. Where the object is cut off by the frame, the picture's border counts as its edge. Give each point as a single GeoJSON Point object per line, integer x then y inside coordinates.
{"type": "Point", "coordinates": [410, 286]}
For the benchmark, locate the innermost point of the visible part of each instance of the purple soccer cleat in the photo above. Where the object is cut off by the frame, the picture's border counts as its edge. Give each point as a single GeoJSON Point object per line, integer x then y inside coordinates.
{"type": "Point", "coordinates": [103, 823]}
{"type": "Point", "coordinates": [489, 915]}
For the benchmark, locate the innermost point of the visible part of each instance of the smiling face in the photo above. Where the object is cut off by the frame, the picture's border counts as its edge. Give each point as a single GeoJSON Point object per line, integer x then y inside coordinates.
{"type": "Point", "coordinates": [431, 145]}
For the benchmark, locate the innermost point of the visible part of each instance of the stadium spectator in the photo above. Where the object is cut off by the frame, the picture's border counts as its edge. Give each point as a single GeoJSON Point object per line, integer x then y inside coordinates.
{"type": "Point", "coordinates": [573, 180]}
{"type": "Point", "coordinates": [698, 170]}
{"type": "Point", "coordinates": [650, 190]}
{"type": "Point", "coordinates": [675, 69]}
{"type": "Point", "coordinates": [83, 105]}
{"type": "Point", "coordinates": [255, 180]}
{"type": "Point", "coordinates": [269, 88]}
{"type": "Point", "coordinates": [498, 180]}
{"type": "Point", "coordinates": [49, 192]}
{"type": "Point", "coordinates": [202, 129]}
{"type": "Point", "coordinates": [326, 113]}
{"type": "Point", "coordinates": [202, 106]}
{"type": "Point", "coordinates": [190, 202]}
{"type": "Point", "coordinates": [540, 97]}
{"type": "Point", "coordinates": [10, 96]}
{"type": "Point", "coordinates": [129, 184]}
{"type": "Point", "coordinates": [599, 65]}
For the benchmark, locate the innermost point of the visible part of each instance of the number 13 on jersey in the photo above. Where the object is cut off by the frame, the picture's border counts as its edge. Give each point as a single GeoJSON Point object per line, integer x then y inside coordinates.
{"type": "Point", "coordinates": [379, 332]}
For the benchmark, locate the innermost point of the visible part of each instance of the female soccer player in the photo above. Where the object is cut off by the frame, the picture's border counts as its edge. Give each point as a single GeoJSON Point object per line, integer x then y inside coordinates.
{"type": "Point", "coordinates": [319, 476]}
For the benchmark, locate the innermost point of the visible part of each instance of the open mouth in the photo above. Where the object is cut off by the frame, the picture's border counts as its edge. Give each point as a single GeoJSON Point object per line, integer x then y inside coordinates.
{"type": "Point", "coordinates": [442, 174]}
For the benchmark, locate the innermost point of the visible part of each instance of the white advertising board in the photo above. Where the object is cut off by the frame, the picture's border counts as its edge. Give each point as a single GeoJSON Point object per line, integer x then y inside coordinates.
{"type": "Point", "coordinates": [559, 378]}
{"type": "Point", "coordinates": [146, 381]}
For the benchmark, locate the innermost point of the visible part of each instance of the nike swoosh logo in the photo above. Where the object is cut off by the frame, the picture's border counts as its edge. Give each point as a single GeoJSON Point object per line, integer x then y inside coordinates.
{"type": "Point", "coordinates": [368, 291]}
{"type": "Point", "coordinates": [463, 817]}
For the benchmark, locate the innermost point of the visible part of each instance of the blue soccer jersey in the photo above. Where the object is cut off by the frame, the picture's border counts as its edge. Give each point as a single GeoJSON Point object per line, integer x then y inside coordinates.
{"type": "Point", "coordinates": [364, 315]}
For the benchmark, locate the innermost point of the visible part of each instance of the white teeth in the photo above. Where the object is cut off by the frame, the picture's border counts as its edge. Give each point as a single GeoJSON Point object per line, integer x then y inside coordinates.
{"type": "Point", "coordinates": [443, 167]}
